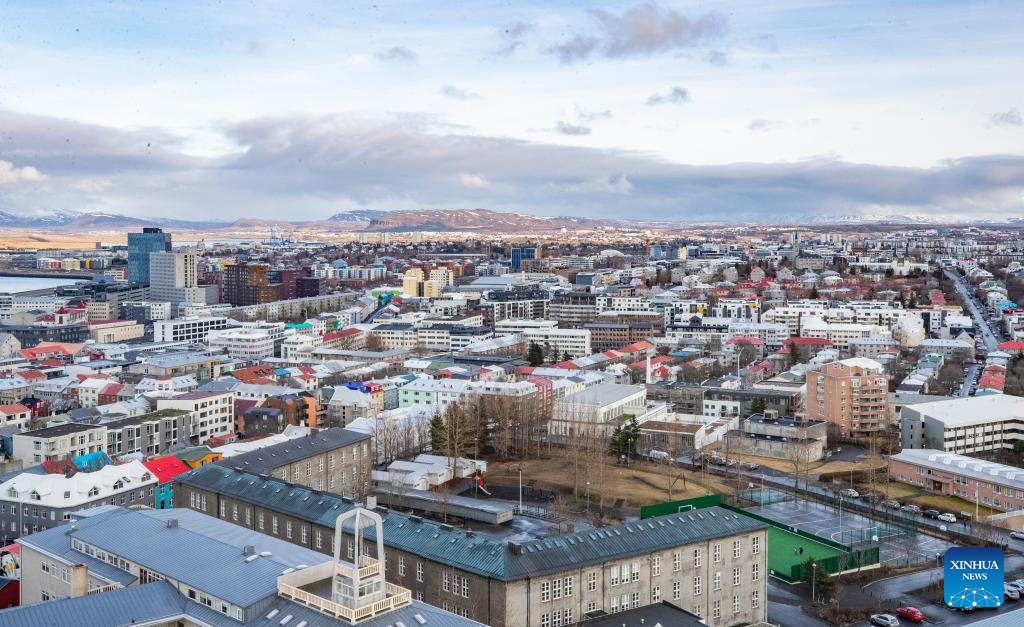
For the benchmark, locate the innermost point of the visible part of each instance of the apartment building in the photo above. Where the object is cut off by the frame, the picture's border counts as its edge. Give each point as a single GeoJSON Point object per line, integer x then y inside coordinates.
{"type": "Point", "coordinates": [606, 336]}
{"type": "Point", "coordinates": [15, 415]}
{"type": "Point", "coordinates": [841, 333]}
{"type": "Point", "coordinates": [852, 394]}
{"type": "Point", "coordinates": [711, 561]}
{"type": "Point", "coordinates": [991, 484]}
{"type": "Point", "coordinates": [245, 344]}
{"type": "Point", "coordinates": [30, 502]}
{"type": "Point", "coordinates": [210, 414]}
{"type": "Point", "coordinates": [193, 330]}
{"type": "Point", "coordinates": [974, 424]}
{"type": "Point", "coordinates": [149, 434]}
{"type": "Point", "coordinates": [59, 442]}
{"type": "Point", "coordinates": [336, 460]}
{"type": "Point", "coordinates": [571, 310]}
{"type": "Point", "coordinates": [572, 342]}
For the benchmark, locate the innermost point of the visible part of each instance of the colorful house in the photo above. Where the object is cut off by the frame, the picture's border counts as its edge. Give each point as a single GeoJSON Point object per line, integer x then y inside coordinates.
{"type": "Point", "coordinates": [165, 469]}
{"type": "Point", "coordinates": [198, 456]}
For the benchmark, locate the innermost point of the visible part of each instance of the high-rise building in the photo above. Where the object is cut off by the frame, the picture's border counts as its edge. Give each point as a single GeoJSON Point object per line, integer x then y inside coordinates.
{"type": "Point", "coordinates": [519, 254]}
{"type": "Point", "coordinates": [248, 284]}
{"type": "Point", "coordinates": [174, 277]}
{"type": "Point", "coordinates": [852, 394]}
{"type": "Point", "coordinates": [140, 245]}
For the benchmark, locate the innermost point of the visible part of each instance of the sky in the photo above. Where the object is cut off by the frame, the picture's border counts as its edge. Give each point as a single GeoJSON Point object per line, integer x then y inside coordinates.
{"type": "Point", "coordinates": [755, 110]}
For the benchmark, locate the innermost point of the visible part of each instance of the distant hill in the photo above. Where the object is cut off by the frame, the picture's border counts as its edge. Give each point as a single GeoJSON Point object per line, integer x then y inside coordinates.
{"type": "Point", "coordinates": [459, 220]}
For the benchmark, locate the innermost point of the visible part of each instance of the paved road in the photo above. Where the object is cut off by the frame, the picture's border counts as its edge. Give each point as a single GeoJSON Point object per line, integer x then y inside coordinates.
{"type": "Point", "coordinates": [971, 374]}
{"type": "Point", "coordinates": [988, 336]}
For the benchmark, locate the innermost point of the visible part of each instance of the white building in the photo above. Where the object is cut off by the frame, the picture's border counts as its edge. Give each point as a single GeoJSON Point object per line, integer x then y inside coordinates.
{"type": "Point", "coordinates": [573, 342]}
{"type": "Point", "coordinates": [246, 344]}
{"type": "Point", "coordinates": [187, 329]}
{"type": "Point", "coordinates": [211, 414]}
{"type": "Point", "coordinates": [174, 277]}
{"type": "Point", "coordinates": [964, 425]}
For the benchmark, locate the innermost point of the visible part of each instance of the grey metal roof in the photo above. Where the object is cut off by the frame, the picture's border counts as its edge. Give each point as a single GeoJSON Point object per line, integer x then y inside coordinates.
{"type": "Point", "coordinates": [469, 551]}
{"type": "Point", "coordinates": [268, 458]}
{"type": "Point", "coordinates": [663, 613]}
{"type": "Point", "coordinates": [201, 551]}
{"type": "Point", "coordinates": [159, 602]}
{"type": "Point", "coordinates": [128, 606]}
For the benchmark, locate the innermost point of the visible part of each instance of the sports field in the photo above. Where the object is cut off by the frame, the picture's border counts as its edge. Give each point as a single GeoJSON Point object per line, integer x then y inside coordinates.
{"type": "Point", "coordinates": [784, 550]}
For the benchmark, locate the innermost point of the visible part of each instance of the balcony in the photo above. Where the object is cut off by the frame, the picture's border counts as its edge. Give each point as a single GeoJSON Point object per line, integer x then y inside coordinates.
{"type": "Point", "coordinates": [106, 588]}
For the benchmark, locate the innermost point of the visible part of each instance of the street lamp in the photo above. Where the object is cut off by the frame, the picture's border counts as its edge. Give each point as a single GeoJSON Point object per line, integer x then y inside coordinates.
{"type": "Point", "coordinates": [588, 497]}
{"type": "Point", "coordinates": [814, 576]}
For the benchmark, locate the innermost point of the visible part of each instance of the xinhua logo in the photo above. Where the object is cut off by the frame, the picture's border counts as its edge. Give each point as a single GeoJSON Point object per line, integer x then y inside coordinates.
{"type": "Point", "coordinates": [973, 577]}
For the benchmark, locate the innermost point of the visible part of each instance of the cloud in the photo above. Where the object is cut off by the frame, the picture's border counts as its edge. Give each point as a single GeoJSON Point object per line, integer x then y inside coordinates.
{"type": "Point", "coordinates": [676, 95]}
{"type": "Point", "coordinates": [1011, 117]}
{"type": "Point", "coordinates": [641, 30]}
{"type": "Point", "coordinates": [474, 181]}
{"type": "Point", "coordinates": [456, 93]}
{"type": "Point", "coordinates": [9, 174]}
{"type": "Point", "coordinates": [588, 117]}
{"type": "Point", "coordinates": [306, 167]}
{"type": "Point", "coordinates": [566, 128]}
{"type": "Point", "coordinates": [398, 54]}
{"type": "Point", "coordinates": [514, 36]}
{"type": "Point", "coordinates": [255, 47]}
{"type": "Point", "coordinates": [717, 58]}
{"type": "Point", "coordinates": [766, 42]}
{"type": "Point", "coordinates": [763, 126]}
{"type": "Point", "coordinates": [606, 184]}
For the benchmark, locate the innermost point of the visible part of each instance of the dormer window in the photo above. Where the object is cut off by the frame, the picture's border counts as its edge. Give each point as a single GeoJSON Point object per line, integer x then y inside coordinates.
{"type": "Point", "coordinates": [94, 491]}
{"type": "Point", "coordinates": [118, 484]}
{"type": "Point", "coordinates": [147, 477]}
{"type": "Point", "coordinates": [34, 496]}
{"type": "Point", "coordinates": [13, 493]}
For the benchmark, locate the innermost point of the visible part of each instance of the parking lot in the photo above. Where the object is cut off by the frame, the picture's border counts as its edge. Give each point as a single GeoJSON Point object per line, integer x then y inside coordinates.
{"type": "Point", "coordinates": [897, 546]}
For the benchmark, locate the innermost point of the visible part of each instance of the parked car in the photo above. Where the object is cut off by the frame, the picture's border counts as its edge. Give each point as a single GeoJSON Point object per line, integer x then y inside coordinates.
{"type": "Point", "coordinates": [910, 613]}
{"type": "Point", "coordinates": [947, 517]}
{"type": "Point", "coordinates": [931, 513]}
{"type": "Point", "coordinates": [1011, 592]}
{"type": "Point", "coordinates": [1017, 535]}
{"type": "Point", "coordinates": [850, 492]}
{"type": "Point", "coordinates": [885, 620]}
{"type": "Point", "coordinates": [1016, 586]}
{"type": "Point", "coordinates": [911, 508]}
{"type": "Point", "coordinates": [891, 504]}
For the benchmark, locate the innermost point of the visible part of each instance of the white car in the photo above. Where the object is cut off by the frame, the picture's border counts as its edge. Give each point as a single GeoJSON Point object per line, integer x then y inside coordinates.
{"type": "Point", "coordinates": [1017, 535]}
{"type": "Point", "coordinates": [850, 492]}
{"type": "Point", "coordinates": [885, 620]}
{"type": "Point", "coordinates": [947, 517]}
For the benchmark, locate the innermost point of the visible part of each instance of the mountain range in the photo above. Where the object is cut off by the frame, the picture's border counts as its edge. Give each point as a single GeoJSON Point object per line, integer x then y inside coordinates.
{"type": "Point", "coordinates": [441, 220]}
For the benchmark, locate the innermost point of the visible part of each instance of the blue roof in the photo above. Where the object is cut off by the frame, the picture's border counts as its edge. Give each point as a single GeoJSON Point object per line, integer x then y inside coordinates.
{"type": "Point", "coordinates": [128, 606]}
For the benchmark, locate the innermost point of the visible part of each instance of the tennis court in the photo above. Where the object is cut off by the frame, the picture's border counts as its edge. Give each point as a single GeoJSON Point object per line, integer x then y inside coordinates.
{"type": "Point", "coordinates": [897, 545]}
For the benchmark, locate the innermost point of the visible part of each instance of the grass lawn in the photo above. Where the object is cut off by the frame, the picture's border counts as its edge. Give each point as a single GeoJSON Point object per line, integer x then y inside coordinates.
{"type": "Point", "coordinates": [893, 490]}
{"type": "Point", "coordinates": [784, 550]}
{"type": "Point", "coordinates": [952, 504]}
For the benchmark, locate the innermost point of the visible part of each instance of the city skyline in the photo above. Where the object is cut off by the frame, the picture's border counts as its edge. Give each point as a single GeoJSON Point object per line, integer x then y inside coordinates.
{"type": "Point", "coordinates": [668, 111]}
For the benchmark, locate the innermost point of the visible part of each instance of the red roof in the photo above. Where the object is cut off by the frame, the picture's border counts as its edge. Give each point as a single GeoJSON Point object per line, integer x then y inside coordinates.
{"type": "Point", "coordinates": [30, 375]}
{"type": "Point", "coordinates": [166, 468]}
{"type": "Point", "coordinates": [15, 408]}
{"type": "Point", "coordinates": [1012, 345]}
{"type": "Point", "coordinates": [642, 364]}
{"type": "Point", "coordinates": [636, 347]}
{"type": "Point", "coordinates": [744, 339]}
{"type": "Point", "coordinates": [111, 389]}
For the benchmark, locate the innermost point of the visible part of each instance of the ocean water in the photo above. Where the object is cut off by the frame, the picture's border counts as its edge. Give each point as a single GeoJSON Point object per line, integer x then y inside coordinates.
{"type": "Point", "coordinates": [27, 283]}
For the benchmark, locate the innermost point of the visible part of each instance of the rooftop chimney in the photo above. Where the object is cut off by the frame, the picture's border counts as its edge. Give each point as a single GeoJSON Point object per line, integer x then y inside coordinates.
{"type": "Point", "coordinates": [172, 523]}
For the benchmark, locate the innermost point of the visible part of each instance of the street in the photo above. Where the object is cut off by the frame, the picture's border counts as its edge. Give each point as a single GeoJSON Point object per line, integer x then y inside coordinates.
{"type": "Point", "coordinates": [982, 327]}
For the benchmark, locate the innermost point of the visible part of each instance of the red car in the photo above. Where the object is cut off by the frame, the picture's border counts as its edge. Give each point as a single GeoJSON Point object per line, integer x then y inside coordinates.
{"type": "Point", "coordinates": [910, 613]}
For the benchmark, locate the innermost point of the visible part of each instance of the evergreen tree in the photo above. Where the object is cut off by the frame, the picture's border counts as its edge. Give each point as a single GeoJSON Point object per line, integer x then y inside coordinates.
{"type": "Point", "coordinates": [535, 355]}
{"type": "Point", "coordinates": [758, 405]}
{"type": "Point", "coordinates": [438, 435]}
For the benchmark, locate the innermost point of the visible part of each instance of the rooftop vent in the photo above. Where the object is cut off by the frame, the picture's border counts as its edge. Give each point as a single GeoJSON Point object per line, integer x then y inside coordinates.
{"type": "Point", "coordinates": [248, 549]}
{"type": "Point", "coordinates": [172, 523]}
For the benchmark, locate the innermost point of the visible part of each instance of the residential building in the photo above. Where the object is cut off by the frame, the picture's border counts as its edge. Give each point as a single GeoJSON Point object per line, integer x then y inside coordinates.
{"type": "Point", "coordinates": [59, 442]}
{"type": "Point", "coordinates": [165, 469]}
{"type": "Point", "coordinates": [787, 438]}
{"type": "Point", "coordinates": [174, 277]}
{"type": "Point", "coordinates": [114, 331]}
{"type": "Point", "coordinates": [560, 342]}
{"type": "Point", "coordinates": [193, 330]}
{"type": "Point", "coordinates": [15, 415]}
{"type": "Point", "coordinates": [149, 434]}
{"type": "Point", "coordinates": [519, 583]}
{"type": "Point", "coordinates": [32, 502]}
{"type": "Point", "coordinates": [851, 394]}
{"type": "Point", "coordinates": [210, 414]}
{"type": "Point", "coordinates": [248, 284]}
{"type": "Point", "coordinates": [244, 344]}
{"type": "Point", "coordinates": [597, 410]}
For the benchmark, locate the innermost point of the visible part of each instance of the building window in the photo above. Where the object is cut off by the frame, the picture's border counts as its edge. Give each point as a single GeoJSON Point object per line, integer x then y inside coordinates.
{"type": "Point", "coordinates": [259, 520]}
{"type": "Point", "coordinates": [419, 572]}
{"type": "Point", "coordinates": [676, 590]}
{"type": "Point", "coordinates": [273, 525]}
{"type": "Point", "coordinates": [735, 549]}
{"type": "Point", "coordinates": [568, 586]}
{"type": "Point", "coordinates": [716, 609]}
{"type": "Point", "coordinates": [592, 581]}
{"type": "Point", "coordinates": [401, 566]}
{"type": "Point", "coordinates": [303, 534]}
{"type": "Point", "coordinates": [755, 545]}
{"type": "Point", "coordinates": [696, 586]}
{"type": "Point", "coordinates": [545, 590]}
{"type": "Point", "coordinates": [465, 587]}
{"type": "Point", "coordinates": [635, 600]}
{"type": "Point", "coordinates": [755, 571]}
{"type": "Point", "coordinates": [613, 577]}
{"type": "Point", "coordinates": [556, 589]}
{"type": "Point", "coordinates": [545, 620]}
{"type": "Point", "coordinates": [717, 585]}
{"type": "Point", "coordinates": [677, 562]}
{"type": "Point", "coordinates": [656, 565]}
{"type": "Point", "coordinates": [755, 599]}
{"type": "Point", "coordinates": [636, 571]}
{"type": "Point", "coordinates": [656, 594]}
{"type": "Point", "coordinates": [446, 585]}
{"type": "Point", "coordinates": [696, 558]}
{"type": "Point", "coordinates": [735, 604]}
{"type": "Point", "coordinates": [717, 553]}
{"type": "Point", "coordinates": [735, 576]}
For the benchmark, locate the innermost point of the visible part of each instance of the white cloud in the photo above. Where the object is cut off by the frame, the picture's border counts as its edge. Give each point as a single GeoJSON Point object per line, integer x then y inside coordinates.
{"type": "Point", "coordinates": [474, 181]}
{"type": "Point", "coordinates": [606, 184]}
{"type": "Point", "coordinates": [10, 175]}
